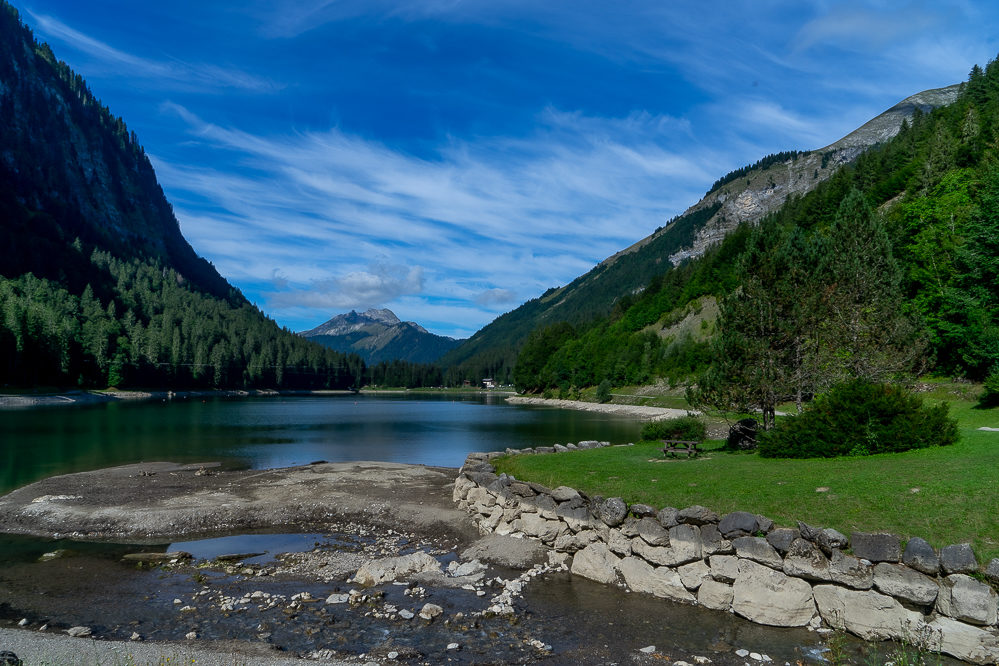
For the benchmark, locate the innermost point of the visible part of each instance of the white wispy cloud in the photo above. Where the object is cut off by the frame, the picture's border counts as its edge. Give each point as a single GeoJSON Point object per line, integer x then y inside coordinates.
{"type": "Point", "coordinates": [315, 219]}
{"type": "Point", "coordinates": [187, 75]}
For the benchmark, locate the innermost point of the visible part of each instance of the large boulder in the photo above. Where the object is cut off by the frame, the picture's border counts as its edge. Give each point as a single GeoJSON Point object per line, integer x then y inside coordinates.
{"type": "Point", "coordinates": [693, 574]}
{"type": "Point", "coordinates": [964, 598]}
{"type": "Point", "coordinates": [805, 560]}
{"type": "Point", "coordinates": [653, 532]}
{"type": "Point", "coordinates": [611, 511]}
{"type": "Point", "coordinates": [964, 642]}
{"type": "Point", "coordinates": [697, 515]}
{"type": "Point", "coordinates": [712, 541]}
{"type": "Point", "coordinates": [576, 517]}
{"type": "Point", "coordinates": [662, 582]}
{"type": "Point", "coordinates": [596, 562]}
{"type": "Point", "coordinates": [758, 550]}
{"type": "Point", "coordinates": [506, 551]}
{"type": "Point", "coordinates": [851, 571]}
{"type": "Point", "coordinates": [919, 555]}
{"type": "Point", "coordinates": [737, 524]}
{"type": "Point", "coordinates": [724, 568]}
{"type": "Point", "coordinates": [877, 547]}
{"type": "Point", "coordinates": [770, 597]}
{"type": "Point", "coordinates": [715, 595]}
{"type": "Point", "coordinates": [905, 584]}
{"type": "Point", "coordinates": [661, 555]}
{"type": "Point", "coordinates": [959, 558]}
{"type": "Point", "coordinates": [535, 525]}
{"type": "Point", "coordinates": [685, 542]}
{"type": "Point", "coordinates": [782, 538]}
{"type": "Point", "coordinates": [385, 570]}
{"type": "Point", "coordinates": [866, 613]}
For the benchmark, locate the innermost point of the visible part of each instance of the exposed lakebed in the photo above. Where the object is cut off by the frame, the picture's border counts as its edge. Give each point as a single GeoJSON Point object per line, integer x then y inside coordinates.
{"type": "Point", "coordinates": [276, 594]}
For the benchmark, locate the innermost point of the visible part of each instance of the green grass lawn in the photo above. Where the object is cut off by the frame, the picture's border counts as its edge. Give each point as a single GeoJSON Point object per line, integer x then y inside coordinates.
{"type": "Point", "coordinates": [945, 494]}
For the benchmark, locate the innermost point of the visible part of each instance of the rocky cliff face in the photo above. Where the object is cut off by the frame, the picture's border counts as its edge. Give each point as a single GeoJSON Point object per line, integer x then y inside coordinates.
{"type": "Point", "coordinates": [762, 192]}
{"type": "Point", "coordinates": [379, 335]}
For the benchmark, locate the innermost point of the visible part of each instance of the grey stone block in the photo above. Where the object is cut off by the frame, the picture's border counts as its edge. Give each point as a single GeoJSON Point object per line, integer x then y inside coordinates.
{"type": "Point", "coordinates": [877, 547]}
{"type": "Point", "coordinates": [958, 558]}
{"type": "Point", "coordinates": [697, 515]}
{"type": "Point", "coordinates": [782, 538]}
{"type": "Point", "coordinates": [737, 523]}
{"type": "Point", "coordinates": [919, 555]}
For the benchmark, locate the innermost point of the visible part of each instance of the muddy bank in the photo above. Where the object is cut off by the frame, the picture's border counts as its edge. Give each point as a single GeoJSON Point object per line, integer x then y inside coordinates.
{"type": "Point", "coordinates": [646, 413]}
{"type": "Point", "coordinates": [156, 502]}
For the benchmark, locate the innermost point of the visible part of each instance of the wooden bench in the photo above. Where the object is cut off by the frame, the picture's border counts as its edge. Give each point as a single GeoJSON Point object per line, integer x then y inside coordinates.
{"type": "Point", "coordinates": [673, 447]}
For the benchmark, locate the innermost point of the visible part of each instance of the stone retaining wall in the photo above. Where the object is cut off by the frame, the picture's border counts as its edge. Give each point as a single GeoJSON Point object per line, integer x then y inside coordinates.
{"type": "Point", "coordinates": [743, 563]}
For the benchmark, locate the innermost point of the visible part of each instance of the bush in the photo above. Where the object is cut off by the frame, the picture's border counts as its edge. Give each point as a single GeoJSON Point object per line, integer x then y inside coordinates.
{"type": "Point", "coordinates": [688, 428]}
{"type": "Point", "coordinates": [860, 418]}
{"type": "Point", "coordinates": [990, 396]}
{"type": "Point", "coordinates": [604, 391]}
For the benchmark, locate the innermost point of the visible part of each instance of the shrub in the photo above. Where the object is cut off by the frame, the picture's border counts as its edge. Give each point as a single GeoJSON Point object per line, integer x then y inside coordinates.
{"type": "Point", "coordinates": [688, 428]}
{"type": "Point", "coordinates": [990, 396]}
{"type": "Point", "coordinates": [604, 391]}
{"type": "Point", "coordinates": [860, 418]}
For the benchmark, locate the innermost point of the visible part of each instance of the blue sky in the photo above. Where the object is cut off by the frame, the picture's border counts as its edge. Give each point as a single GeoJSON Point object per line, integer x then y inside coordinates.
{"type": "Point", "coordinates": [450, 159]}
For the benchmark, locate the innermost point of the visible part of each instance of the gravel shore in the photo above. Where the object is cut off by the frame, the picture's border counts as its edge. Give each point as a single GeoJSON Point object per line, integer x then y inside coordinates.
{"type": "Point", "coordinates": [647, 413]}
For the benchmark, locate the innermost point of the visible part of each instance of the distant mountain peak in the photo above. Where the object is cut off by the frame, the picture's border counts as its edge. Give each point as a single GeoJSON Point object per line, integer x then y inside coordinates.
{"type": "Point", "coordinates": [379, 335]}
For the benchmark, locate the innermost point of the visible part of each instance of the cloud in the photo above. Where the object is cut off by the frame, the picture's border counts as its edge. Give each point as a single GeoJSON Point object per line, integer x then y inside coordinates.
{"type": "Point", "coordinates": [357, 290]}
{"type": "Point", "coordinates": [864, 28]}
{"type": "Point", "coordinates": [186, 75]}
{"type": "Point", "coordinates": [496, 297]}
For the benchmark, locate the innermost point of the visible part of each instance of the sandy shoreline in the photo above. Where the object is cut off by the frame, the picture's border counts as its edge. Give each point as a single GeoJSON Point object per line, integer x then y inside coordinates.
{"type": "Point", "coordinates": [646, 413]}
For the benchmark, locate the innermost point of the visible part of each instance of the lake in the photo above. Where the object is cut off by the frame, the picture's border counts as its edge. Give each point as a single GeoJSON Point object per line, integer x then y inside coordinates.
{"type": "Point", "coordinates": [429, 429]}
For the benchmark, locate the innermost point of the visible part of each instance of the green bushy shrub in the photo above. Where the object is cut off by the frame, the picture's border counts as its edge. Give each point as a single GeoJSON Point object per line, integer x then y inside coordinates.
{"type": "Point", "coordinates": [860, 418]}
{"type": "Point", "coordinates": [604, 391]}
{"type": "Point", "coordinates": [688, 428]}
{"type": "Point", "coordinates": [990, 396]}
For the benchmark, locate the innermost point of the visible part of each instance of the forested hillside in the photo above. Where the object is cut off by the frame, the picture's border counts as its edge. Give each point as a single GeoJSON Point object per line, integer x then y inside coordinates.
{"type": "Point", "coordinates": [744, 195]}
{"type": "Point", "coordinates": [97, 285]}
{"type": "Point", "coordinates": [889, 267]}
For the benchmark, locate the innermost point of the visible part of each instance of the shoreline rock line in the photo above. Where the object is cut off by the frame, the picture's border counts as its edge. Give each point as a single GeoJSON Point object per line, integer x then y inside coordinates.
{"type": "Point", "coordinates": [802, 576]}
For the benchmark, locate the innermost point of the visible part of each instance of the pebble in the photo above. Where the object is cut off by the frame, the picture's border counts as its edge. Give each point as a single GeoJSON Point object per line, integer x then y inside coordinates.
{"type": "Point", "coordinates": [338, 598]}
{"type": "Point", "coordinates": [191, 635]}
{"type": "Point", "coordinates": [430, 611]}
{"type": "Point", "coordinates": [393, 655]}
{"type": "Point", "coordinates": [79, 632]}
{"type": "Point", "coordinates": [135, 636]}
{"type": "Point", "coordinates": [648, 649]}
{"type": "Point", "coordinates": [23, 622]}
{"type": "Point", "coordinates": [407, 614]}
{"type": "Point", "coordinates": [453, 646]}
{"type": "Point", "coordinates": [742, 653]}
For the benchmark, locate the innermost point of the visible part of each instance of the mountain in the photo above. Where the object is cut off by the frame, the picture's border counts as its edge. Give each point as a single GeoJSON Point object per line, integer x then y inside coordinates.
{"type": "Point", "coordinates": [378, 335]}
{"type": "Point", "coordinates": [744, 195]}
{"type": "Point", "coordinates": [98, 287]}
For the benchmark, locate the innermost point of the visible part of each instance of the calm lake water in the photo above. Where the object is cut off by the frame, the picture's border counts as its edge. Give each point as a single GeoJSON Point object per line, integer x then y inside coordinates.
{"type": "Point", "coordinates": [281, 431]}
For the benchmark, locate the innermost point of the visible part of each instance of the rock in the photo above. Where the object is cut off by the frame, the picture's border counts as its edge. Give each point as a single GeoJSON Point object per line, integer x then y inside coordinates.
{"type": "Point", "coordinates": [805, 560]}
{"type": "Point", "coordinates": [542, 504]}
{"type": "Point", "coordinates": [136, 636]}
{"type": "Point", "coordinates": [808, 532]}
{"type": "Point", "coordinates": [389, 569]}
{"type": "Point", "coordinates": [469, 568]}
{"type": "Point", "coordinates": [191, 635]}
{"type": "Point", "coordinates": [782, 538]}
{"type": "Point", "coordinates": [966, 599]}
{"type": "Point", "coordinates": [667, 517]}
{"type": "Point", "coordinates": [724, 568]}
{"type": "Point", "coordinates": [851, 571]}
{"type": "Point", "coordinates": [715, 595]}
{"type": "Point", "coordinates": [157, 558]}
{"type": "Point", "coordinates": [648, 649]}
{"type": "Point", "coordinates": [653, 532]}
{"type": "Point", "coordinates": [764, 524]}
{"type": "Point", "coordinates": [868, 614]}
{"type": "Point", "coordinates": [596, 562]}
{"type": "Point", "coordinates": [992, 571]}
{"type": "Point", "coordinates": [479, 497]}
{"type": "Point", "coordinates": [662, 582]}
{"type": "Point", "coordinates": [697, 515]}
{"type": "Point", "coordinates": [965, 642]}
{"type": "Point", "coordinates": [570, 543]}
{"type": "Point", "coordinates": [643, 511]}
{"type": "Point", "coordinates": [663, 556]}
{"type": "Point", "coordinates": [407, 614]}
{"type": "Point", "coordinates": [959, 558]}
{"type": "Point", "coordinates": [685, 542]}
{"type": "Point", "coordinates": [618, 543]}
{"type": "Point", "coordinates": [694, 574]}
{"type": "Point", "coordinates": [830, 540]}
{"type": "Point", "coordinates": [919, 555]}
{"type": "Point", "coordinates": [506, 551]}
{"type": "Point", "coordinates": [536, 525]}
{"type": "Point", "coordinates": [770, 597]}
{"type": "Point", "coordinates": [338, 598]}
{"type": "Point", "coordinates": [565, 494]}
{"type": "Point", "coordinates": [79, 632]}
{"type": "Point", "coordinates": [877, 547]}
{"type": "Point", "coordinates": [576, 517]}
{"type": "Point", "coordinates": [430, 611]}
{"type": "Point", "coordinates": [8, 658]}
{"type": "Point", "coordinates": [611, 511]}
{"type": "Point", "coordinates": [737, 523]}
{"type": "Point", "coordinates": [712, 541]}
{"type": "Point", "coordinates": [559, 560]}
{"type": "Point", "coordinates": [905, 584]}
{"type": "Point", "coordinates": [758, 550]}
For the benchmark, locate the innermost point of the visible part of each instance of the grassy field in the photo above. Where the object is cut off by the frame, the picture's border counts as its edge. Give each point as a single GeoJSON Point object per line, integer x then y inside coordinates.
{"type": "Point", "coordinates": [945, 494]}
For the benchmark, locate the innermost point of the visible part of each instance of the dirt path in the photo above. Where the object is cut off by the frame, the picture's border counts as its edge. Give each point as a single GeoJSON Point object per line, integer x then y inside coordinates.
{"type": "Point", "coordinates": [647, 413]}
